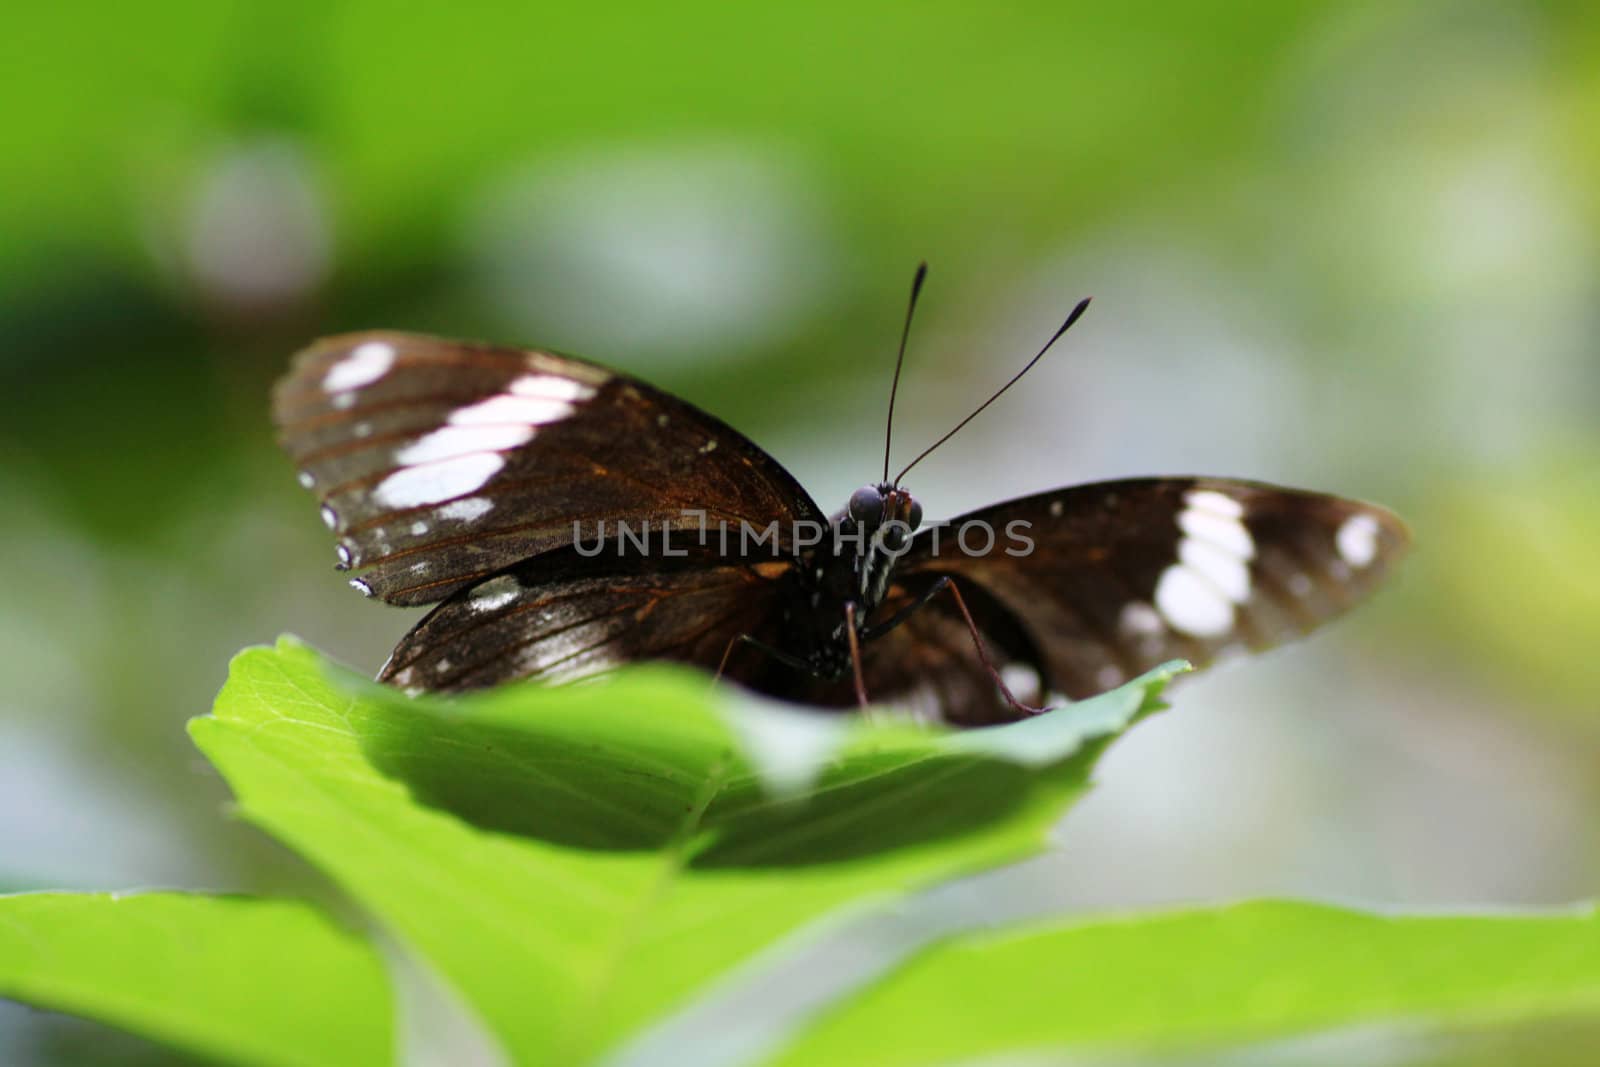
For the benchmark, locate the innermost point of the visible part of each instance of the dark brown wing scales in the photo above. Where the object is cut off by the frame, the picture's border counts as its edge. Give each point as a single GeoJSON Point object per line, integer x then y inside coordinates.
{"type": "Point", "coordinates": [563, 617]}
{"type": "Point", "coordinates": [440, 463]}
{"type": "Point", "coordinates": [1122, 576]}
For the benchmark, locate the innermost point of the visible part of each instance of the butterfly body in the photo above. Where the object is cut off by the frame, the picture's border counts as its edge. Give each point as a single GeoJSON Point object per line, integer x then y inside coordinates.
{"type": "Point", "coordinates": [565, 519]}
{"type": "Point", "coordinates": [837, 586]}
{"type": "Point", "coordinates": [815, 615]}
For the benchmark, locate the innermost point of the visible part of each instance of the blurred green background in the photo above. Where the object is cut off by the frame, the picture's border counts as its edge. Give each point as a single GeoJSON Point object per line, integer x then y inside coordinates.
{"type": "Point", "coordinates": [1353, 247]}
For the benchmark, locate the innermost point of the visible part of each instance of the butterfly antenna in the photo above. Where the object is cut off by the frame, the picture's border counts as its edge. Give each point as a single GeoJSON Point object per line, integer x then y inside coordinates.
{"type": "Point", "coordinates": [905, 332]}
{"type": "Point", "coordinates": [1077, 313]}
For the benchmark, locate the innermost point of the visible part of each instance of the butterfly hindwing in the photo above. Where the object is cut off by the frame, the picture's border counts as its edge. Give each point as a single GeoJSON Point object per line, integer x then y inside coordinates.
{"type": "Point", "coordinates": [440, 463]}
{"type": "Point", "coordinates": [563, 617]}
{"type": "Point", "coordinates": [1121, 576]}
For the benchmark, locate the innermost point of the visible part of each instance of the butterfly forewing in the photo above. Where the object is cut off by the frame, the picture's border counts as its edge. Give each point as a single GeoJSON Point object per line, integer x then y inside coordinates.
{"type": "Point", "coordinates": [1113, 578]}
{"type": "Point", "coordinates": [440, 463]}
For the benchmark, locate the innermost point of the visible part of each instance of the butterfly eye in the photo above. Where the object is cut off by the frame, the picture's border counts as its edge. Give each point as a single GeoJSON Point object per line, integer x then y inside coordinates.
{"type": "Point", "coordinates": [914, 519]}
{"type": "Point", "coordinates": [866, 505]}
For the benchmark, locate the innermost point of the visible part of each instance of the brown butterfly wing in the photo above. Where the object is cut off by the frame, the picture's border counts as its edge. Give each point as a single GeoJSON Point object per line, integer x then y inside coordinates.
{"type": "Point", "coordinates": [440, 463]}
{"type": "Point", "coordinates": [1122, 576]}
{"type": "Point", "coordinates": [563, 617]}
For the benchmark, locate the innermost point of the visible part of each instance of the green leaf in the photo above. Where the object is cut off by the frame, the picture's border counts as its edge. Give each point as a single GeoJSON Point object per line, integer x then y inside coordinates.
{"type": "Point", "coordinates": [249, 981]}
{"type": "Point", "coordinates": [1208, 977]}
{"type": "Point", "coordinates": [578, 861]}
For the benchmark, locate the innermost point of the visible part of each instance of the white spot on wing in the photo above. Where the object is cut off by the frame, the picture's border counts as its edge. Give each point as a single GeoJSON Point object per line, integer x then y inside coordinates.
{"type": "Point", "coordinates": [364, 365]}
{"type": "Point", "coordinates": [1224, 531]}
{"type": "Point", "coordinates": [361, 587]}
{"type": "Point", "coordinates": [494, 594]}
{"type": "Point", "coordinates": [505, 409]}
{"type": "Point", "coordinates": [466, 510]}
{"type": "Point", "coordinates": [419, 528]}
{"type": "Point", "coordinates": [1192, 605]}
{"type": "Point", "coordinates": [434, 483]}
{"type": "Point", "coordinates": [1219, 504]}
{"type": "Point", "coordinates": [1141, 624]}
{"type": "Point", "coordinates": [1196, 594]}
{"type": "Point", "coordinates": [1022, 680]}
{"type": "Point", "coordinates": [1056, 508]}
{"type": "Point", "coordinates": [1109, 677]}
{"type": "Point", "coordinates": [552, 387]}
{"type": "Point", "coordinates": [1357, 540]}
{"type": "Point", "coordinates": [330, 518]}
{"type": "Point", "coordinates": [1139, 618]}
{"type": "Point", "coordinates": [452, 441]}
{"type": "Point", "coordinates": [307, 479]}
{"type": "Point", "coordinates": [1229, 573]}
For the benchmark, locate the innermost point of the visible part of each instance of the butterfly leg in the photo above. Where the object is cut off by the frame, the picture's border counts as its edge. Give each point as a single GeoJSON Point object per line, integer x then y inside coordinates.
{"type": "Point", "coordinates": [983, 656]}
{"type": "Point", "coordinates": [777, 654]}
{"type": "Point", "coordinates": [855, 652]}
{"type": "Point", "coordinates": [946, 582]}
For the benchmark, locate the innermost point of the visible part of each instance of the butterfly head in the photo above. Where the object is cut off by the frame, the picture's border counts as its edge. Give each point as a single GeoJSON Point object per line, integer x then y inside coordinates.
{"type": "Point", "coordinates": [887, 508]}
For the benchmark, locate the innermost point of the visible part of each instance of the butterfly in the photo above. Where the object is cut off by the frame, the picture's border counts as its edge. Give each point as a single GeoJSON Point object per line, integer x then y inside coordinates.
{"type": "Point", "coordinates": [566, 519]}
